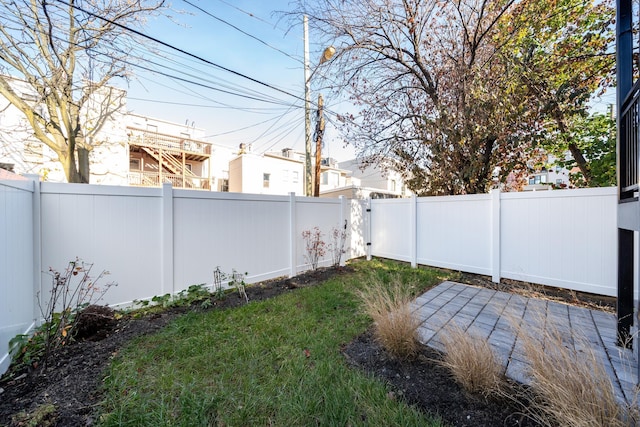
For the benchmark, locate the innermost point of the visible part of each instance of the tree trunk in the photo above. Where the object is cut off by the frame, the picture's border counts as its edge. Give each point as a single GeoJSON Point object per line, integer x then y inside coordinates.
{"type": "Point", "coordinates": [83, 165]}
{"type": "Point", "coordinates": [581, 162]}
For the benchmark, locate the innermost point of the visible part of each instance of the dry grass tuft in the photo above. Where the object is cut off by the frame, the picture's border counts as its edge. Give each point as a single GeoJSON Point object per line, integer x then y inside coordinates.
{"type": "Point", "coordinates": [472, 362]}
{"type": "Point", "coordinates": [396, 325]}
{"type": "Point", "coordinates": [570, 384]}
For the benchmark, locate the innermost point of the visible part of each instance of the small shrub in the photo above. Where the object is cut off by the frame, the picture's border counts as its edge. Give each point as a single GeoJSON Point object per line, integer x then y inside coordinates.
{"type": "Point", "coordinates": [314, 246]}
{"type": "Point", "coordinates": [235, 280]}
{"type": "Point", "coordinates": [571, 387]}
{"type": "Point", "coordinates": [338, 242]}
{"type": "Point", "coordinates": [395, 324]}
{"type": "Point", "coordinates": [72, 290]}
{"type": "Point", "coordinates": [472, 362]}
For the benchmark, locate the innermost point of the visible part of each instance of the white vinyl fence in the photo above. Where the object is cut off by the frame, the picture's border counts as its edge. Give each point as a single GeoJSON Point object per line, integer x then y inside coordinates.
{"type": "Point", "coordinates": [155, 241]}
{"type": "Point", "coordinates": [566, 239]}
{"type": "Point", "coordinates": [17, 254]}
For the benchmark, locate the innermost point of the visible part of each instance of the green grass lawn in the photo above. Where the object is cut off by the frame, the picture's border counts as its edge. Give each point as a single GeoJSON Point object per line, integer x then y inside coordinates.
{"type": "Point", "coordinates": [276, 362]}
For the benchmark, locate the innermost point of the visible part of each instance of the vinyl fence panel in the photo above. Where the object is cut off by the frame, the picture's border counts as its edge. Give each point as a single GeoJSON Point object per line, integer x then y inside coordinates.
{"type": "Point", "coordinates": [455, 232]}
{"type": "Point", "coordinates": [118, 229]}
{"type": "Point", "coordinates": [563, 238]}
{"type": "Point", "coordinates": [247, 233]}
{"type": "Point", "coordinates": [16, 263]}
{"type": "Point", "coordinates": [566, 239]}
{"type": "Point", "coordinates": [324, 213]}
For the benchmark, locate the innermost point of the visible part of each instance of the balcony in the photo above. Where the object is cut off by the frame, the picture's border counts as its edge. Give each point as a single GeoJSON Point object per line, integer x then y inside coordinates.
{"type": "Point", "coordinates": [155, 179]}
{"type": "Point", "coordinates": [156, 158]}
{"type": "Point", "coordinates": [177, 145]}
{"type": "Point", "coordinates": [628, 144]}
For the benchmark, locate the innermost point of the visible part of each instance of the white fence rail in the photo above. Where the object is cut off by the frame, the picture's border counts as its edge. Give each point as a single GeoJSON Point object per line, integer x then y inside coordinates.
{"type": "Point", "coordinates": [565, 239]}
{"type": "Point", "coordinates": [162, 240]}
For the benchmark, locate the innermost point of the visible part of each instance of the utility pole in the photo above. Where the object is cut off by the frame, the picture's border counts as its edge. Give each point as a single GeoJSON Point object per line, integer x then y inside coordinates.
{"type": "Point", "coordinates": [319, 133]}
{"type": "Point", "coordinates": [307, 110]}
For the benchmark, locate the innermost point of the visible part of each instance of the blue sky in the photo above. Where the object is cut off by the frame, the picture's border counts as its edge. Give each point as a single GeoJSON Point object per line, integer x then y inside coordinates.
{"type": "Point", "coordinates": [228, 119]}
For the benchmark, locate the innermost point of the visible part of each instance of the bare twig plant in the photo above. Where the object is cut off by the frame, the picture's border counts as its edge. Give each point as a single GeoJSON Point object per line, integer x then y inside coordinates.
{"type": "Point", "coordinates": [395, 324]}
{"type": "Point", "coordinates": [315, 247]}
{"type": "Point", "coordinates": [337, 245]}
{"type": "Point", "coordinates": [472, 362]}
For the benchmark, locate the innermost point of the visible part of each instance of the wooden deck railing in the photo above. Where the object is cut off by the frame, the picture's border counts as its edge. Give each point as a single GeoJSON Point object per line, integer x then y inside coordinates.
{"type": "Point", "coordinates": [628, 144]}
{"type": "Point", "coordinates": [154, 179]}
{"type": "Point", "coordinates": [168, 142]}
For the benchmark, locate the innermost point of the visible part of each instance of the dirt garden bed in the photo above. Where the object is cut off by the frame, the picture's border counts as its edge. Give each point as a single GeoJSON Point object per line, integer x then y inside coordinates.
{"type": "Point", "coordinates": [71, 381]}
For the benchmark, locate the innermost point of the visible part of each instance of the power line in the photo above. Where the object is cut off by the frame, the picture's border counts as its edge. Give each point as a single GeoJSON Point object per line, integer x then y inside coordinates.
{"type": "Point", "coordinates": [242, 31]}
{"type": "Point", "coordinates": [252, 15]}
{"type": "Point", "coordinates": [221, 106]}
{"type": "Point", "coordinates": [184, 52]}
{"type": "Point", "coordinates": [202, 83]}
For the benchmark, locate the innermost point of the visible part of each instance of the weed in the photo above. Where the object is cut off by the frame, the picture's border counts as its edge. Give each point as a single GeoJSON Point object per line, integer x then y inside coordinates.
{"type": "Point", "coordinates": [237, 281]}
{"type": "Point", "coordinates": [472, 362]}
{"type": "Point", "coordinates": [43, 416]}
{"type": "Point", "coordinates": [396, 325]}
{"type": "Point", "coordinates": [314, 246]}
{"type": "Point", "coordinates": [218, 278]}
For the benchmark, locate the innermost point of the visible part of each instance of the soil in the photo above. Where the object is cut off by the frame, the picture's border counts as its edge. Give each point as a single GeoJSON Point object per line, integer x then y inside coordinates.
{"type": "Point", "coordinates": [69, 386]}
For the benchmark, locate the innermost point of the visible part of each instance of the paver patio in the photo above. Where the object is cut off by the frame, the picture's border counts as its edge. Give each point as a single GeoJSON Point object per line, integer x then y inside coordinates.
{"type": "Point", "coordinates": [490, 314]}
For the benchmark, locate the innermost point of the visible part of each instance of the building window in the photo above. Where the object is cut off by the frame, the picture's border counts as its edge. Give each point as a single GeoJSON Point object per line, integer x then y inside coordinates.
{"type": "Point", "coordinates": [224, 185]}
{"type": "Point", "coordinates": [134, 164]}
{"type": "Point", "coordinates": [265, 179]}
{"type": "Point", "coordinates": [334, 179]}
{"type": "Point", "coordinates": [294, 177]}
{"type": "Point", "coordinates": [189, 167]}
{"type": "Point", "coordinates": [325, 178]}
{"type": "Point", "coordinates": [538, 179]}
{"type": "Point", "coordinates": [393, 185]}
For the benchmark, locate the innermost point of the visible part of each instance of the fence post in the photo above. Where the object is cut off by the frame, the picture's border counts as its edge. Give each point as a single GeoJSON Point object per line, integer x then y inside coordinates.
{"type": "Point", "coordinates": [368, 228]}
{"type": "Point", "coordinates": [293, 259]}
{"type": "Point", "coordinates": [166, 240]}
{"type": "Point", "coordinates": [495, 235]}
{"type": "Point", "coordinates": [413, 231]}
{"type": "Point", "coordinates": [37, 245]}
{"type": "Point", "coordinates": [345, 227]}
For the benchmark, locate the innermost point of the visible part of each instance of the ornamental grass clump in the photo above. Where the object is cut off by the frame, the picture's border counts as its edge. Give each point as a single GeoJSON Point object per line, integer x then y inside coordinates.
{"type": "Point", "coordinates": [472, 362]}
{"type": "Point", "coordinates": [395, 323]}
{"type": "Point", "coordinates": [569, 382]}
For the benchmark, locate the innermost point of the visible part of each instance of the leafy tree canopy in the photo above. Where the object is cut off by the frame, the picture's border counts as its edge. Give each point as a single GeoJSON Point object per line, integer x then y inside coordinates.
{"type": "Point", "coordinates": [455, 93]}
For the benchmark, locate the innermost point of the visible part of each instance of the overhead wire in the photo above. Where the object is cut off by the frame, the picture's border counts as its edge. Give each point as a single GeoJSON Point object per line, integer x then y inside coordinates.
{"type": "Point", "coordinates": [210, 86]}
{"type": "Point", "coordinates": [184, 52]}
{"type": "Point", "coordinates": [284, 129]}
{"type": "Point", "coordinates": [206, 12]}
{"type": "Point", "coordinates": [251, 15]}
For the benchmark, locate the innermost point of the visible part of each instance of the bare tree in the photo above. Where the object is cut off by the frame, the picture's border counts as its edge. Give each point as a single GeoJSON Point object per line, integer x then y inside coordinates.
{"type": "Point", "coordinates": [63, 54]}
